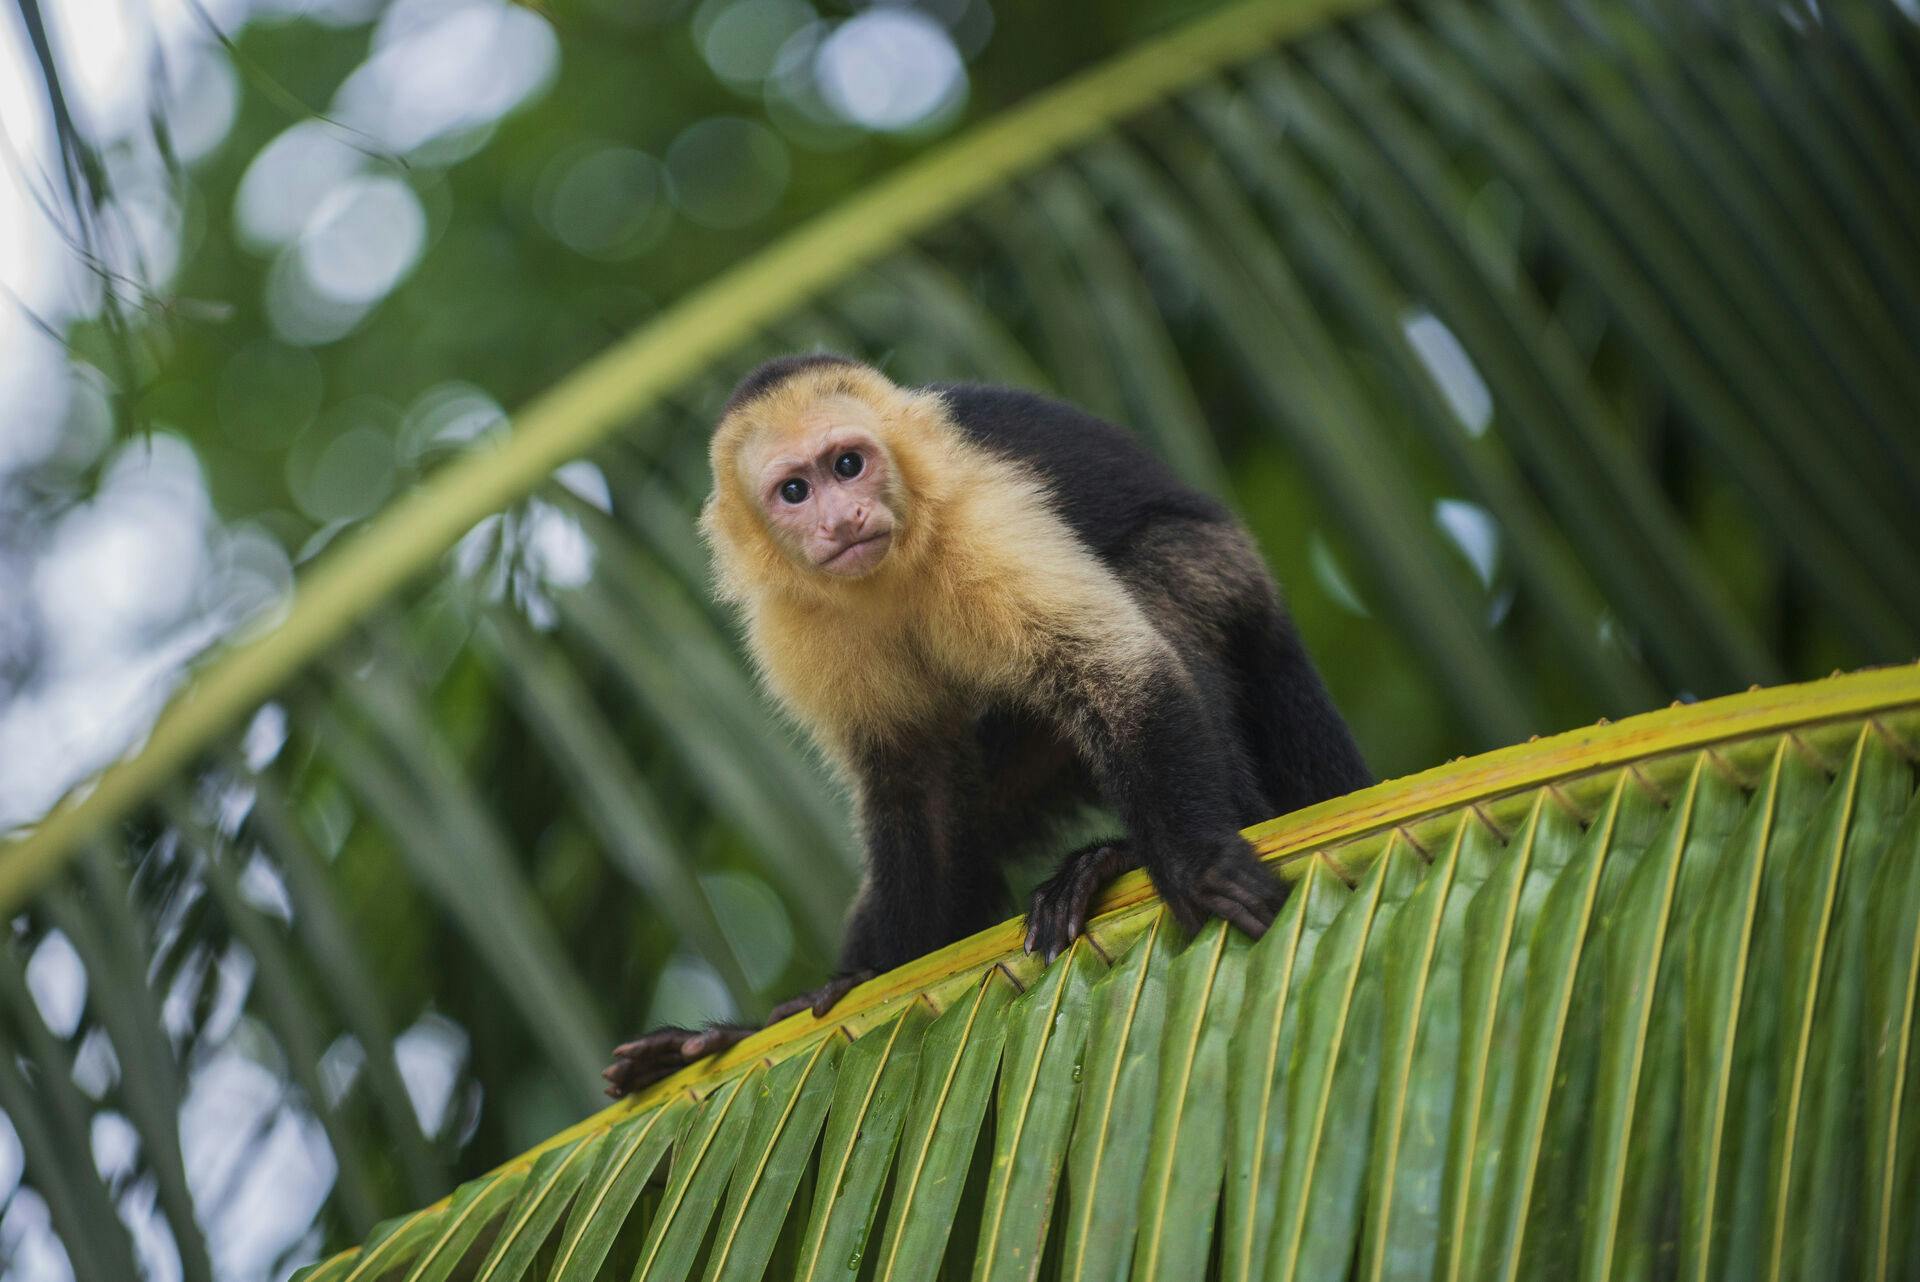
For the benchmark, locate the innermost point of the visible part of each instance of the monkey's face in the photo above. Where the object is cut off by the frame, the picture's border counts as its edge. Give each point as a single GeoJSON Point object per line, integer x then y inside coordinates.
{"type": "Point", "coordinates": [826, 487]}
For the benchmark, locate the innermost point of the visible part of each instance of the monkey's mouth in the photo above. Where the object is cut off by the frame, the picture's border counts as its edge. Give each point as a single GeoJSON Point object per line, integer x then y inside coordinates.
{"type": "Point", "coordinates": [860, 556]}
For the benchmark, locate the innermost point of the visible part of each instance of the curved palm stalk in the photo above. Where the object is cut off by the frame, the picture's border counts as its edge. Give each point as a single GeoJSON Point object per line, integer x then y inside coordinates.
{"type": "Point", "coordinates": [1645, 990]}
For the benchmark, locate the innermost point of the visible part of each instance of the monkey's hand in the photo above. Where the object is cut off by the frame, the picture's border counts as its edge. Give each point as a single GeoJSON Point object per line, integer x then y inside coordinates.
{"type": "Point", "coordinates": [1225, 879]}
{"type": "Point", "coordinates": [655, 1055]}
{"type": "Point", "coordinates": [1057, 914]}
{"type": "Point", "coordinates": [822, 999]}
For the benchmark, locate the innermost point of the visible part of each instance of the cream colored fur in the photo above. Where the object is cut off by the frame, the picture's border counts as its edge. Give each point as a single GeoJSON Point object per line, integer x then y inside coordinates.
{"type": "Point", "coordinates": [984, 594]}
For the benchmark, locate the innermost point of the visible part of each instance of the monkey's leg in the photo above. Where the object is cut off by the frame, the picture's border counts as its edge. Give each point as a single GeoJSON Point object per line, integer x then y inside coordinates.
{"type": "Point", "coordinates": [906, 798]}
{"type": "Point", "coordinates": [665, 1051]}
{"type": "Point", "coordinates": [1057, 914]}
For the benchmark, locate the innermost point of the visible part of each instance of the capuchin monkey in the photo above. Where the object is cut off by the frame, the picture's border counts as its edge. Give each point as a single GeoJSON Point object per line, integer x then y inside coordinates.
{"type": "Point", "coordinates": [990, 609]}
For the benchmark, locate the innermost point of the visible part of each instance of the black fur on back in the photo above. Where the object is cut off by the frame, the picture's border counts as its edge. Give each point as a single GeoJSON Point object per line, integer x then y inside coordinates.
{"type": "Point", "coordinates": [1106, 485]}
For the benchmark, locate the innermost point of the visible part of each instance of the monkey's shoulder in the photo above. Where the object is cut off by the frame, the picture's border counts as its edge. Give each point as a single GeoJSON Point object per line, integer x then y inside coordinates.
{"type": "Point", "coordinates": [1105, 484]}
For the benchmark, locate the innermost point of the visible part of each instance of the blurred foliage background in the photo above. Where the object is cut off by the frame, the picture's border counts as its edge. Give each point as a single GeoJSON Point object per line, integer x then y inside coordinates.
{"type": "Point", "coordinates": [1561, 353]}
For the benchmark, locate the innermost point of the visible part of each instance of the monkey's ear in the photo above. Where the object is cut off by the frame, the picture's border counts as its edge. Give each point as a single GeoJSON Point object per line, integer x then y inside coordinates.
{"type": "Point", "coordinates": [730, 575]}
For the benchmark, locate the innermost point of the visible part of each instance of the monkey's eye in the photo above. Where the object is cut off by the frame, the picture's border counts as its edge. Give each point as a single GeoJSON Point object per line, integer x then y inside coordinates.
{"type": "Point", "coordinates": [849, 464]}
{"type": "Point", "coordinates": [794, 490]}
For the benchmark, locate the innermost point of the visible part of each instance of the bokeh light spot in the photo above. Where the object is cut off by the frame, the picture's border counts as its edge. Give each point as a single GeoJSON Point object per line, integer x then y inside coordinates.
{"type": "Point", "coordinates": [608, 202]}
{"type": "Point", "coordinates": [363, 239]}
{"type": "Point", "coordinates": [202, 96]}
{"type": "Point", "coordinates": [1451, 369]}
{"type": "Point", "coordinates": [298, 314]}
{"type": "Point", "coordinates": [350, 478]}
{"type": "Point", "coordinates": [1474, 531]}
{"type": "Point", "coordinates": [58, 982]}
{"type": "Point", "coordinates": [123, 568]}
{"type": "Point", "coordinates": [440, 69]}
{"type": "Point", "coordinates": [740, 38]}
{"type": "Point", "coordinates": [891, 69]}
{"type": "Point", "coordinates": [727, 172]}
{"type": "Point", "coordinates": [557, 549]}
{"type": "Point", "coordinates": [449, 415]}
{"type": "Point", "coordinates": [286, 181]}
{"type": "Point", "coordinates": [688, 994]}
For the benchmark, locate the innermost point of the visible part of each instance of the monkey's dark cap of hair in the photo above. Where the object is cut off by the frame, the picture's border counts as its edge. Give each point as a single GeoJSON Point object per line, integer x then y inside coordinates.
{"type": "Point", "coordinates": [770, 374]}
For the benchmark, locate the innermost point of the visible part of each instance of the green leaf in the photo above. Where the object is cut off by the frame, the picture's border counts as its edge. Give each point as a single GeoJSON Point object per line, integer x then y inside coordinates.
{"type": "Point", "coordinates": [471, 1211]}
{"type": "Point", "coordinates": [1892, 967]}
{"type": "Point", "coordinates": [620, 804]}
{"type": "Point", "coordinates": [1261, 1049]}
{"type": "Point", "coordinates": [547, 1190]}
{"type": "Point", "coordinates": [1421, 1050]}
{"type": "Point", "coordinates": [702, 1161]}
{"type": "Point", "coordinates": [958, 1059]}
{"type": "Point", "coordinates": [1039, 1090]}
{"type": "Point", "coordinates": [1521, 1092]}
{"type": "Point", "coordinates": [394, 1242]}
{"type": "Point", "coordinates": [1118, 1082]}
{"type": "Point", "coordinates": [1605, 1005]}
{"type": "Point", "coordinates": [776, 1153]}
{"type": "Point", "coordinates": [1824, 1196]}
{"type": "Point", "coordinates": [110, 941]}
{"type": "Point", "coordinates": [1636, 937]}
{"type": "Point", "coordinates": [627, 1159]}
{"type": "Point", "coordinates": [1185, 1151]}
{"type": "Point", "coordinates": [54, 1134]}
{"type": "Point", "coordinates": [1812, 891]}
{"type": "Point", "coordinates": [339, 956]}
{"type": "Point", "coordinates": [869, 1106]}
{"type": "Point", "coordinates": [1326, 1005]}
{"type": "Point", "coordinates": [1716, 972]}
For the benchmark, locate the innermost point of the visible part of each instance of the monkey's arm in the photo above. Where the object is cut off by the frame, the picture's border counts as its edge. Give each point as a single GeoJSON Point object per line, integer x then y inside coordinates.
{"type": "Point", "coordinates": [1163, 762]}
{"type": "Point", "coordinates": [925, 885]}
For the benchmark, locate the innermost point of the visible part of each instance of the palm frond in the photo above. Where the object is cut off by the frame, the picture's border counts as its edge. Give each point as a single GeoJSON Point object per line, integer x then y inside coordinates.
{"type": "Point", "coordinates": [1633, 993]}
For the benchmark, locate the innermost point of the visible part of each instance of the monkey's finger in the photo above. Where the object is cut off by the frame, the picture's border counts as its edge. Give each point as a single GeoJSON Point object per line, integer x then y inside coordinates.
{"type": "Point", "coordinates": [1248, 898]}
{"type": "Point", "coordinates": [1087, 882]}
{"type": "Point", "coordinates": [830, 993]}
{"type": "Point", "coordinates": [652, 1043]}
{"type": "Point", "coordinates": [791, 1006]}
{"type": "Point", "coordinates": [710, 1040]}
{"type": "Point", "coordinates": [1086, 889]}
{"type": "Point", "coordinates": [1046, 921]}
{"type": "Point", "coordinates": [1237, 914]}
{"type": "Point", "coordinates": [1040, 927]}
{"type": "Point", "coordinates": [636, 1077]}
{"type": "Point", "coordinates": [630, 1075]}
